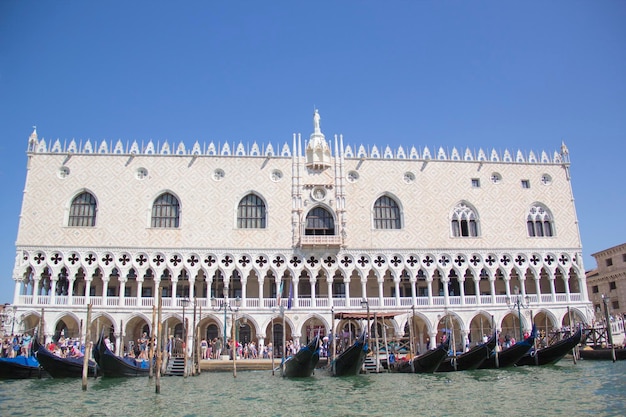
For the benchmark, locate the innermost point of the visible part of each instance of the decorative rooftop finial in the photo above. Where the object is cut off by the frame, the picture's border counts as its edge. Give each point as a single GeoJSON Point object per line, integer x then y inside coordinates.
{"type": "Point", "coordinates": [564, 150]}
{"type": "Point", "coordinates": [33, 141]}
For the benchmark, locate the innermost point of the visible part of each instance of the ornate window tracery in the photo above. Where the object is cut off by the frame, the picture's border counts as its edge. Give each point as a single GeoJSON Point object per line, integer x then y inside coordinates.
{"type": "Point", "coordinates": [464, 221]}
{"type": "Point", "coordinates": [539, 222]}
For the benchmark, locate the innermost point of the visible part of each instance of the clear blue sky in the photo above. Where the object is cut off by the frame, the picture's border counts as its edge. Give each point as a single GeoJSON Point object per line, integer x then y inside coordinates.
{"type": "Point", "coordinates": [490, 74]}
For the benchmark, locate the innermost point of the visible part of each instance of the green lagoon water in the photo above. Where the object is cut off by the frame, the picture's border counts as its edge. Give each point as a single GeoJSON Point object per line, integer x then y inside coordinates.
{"type": "Point", "coordinates": [565, 389]}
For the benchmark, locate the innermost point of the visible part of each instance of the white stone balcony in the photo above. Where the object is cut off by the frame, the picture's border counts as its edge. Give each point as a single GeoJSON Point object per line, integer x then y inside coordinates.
{"type": "Point", "coordinates": [322, 240]}
{"type": "Point", "coordinates": [319, 302]}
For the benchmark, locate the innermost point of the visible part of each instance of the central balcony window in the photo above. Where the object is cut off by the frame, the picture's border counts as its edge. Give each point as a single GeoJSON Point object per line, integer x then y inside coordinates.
{"type": "Point", "coordinates": [320, 229]}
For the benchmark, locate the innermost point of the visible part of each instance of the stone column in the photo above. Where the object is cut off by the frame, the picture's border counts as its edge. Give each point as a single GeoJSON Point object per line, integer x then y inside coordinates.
{"type": "Point", "coordinates": [139, 290]}
{"type": "Point", "coordinates": [492, 288]}
{"type": "Point", "coordinates": [312, 281]}
{"type": "Point", "coordinates": [244, 286]}
{"type": "Point", "coordinates": [396, 285]}
{"type": "Point", "coordinates": [464, 337]}
{"type": "Point", "coordinates": [105, 286]}
{"type": "Point", "coordinates": [122, 294]}
{"type": "Point", "coordinates": [87, 291]}
{"type": "Point", "coordinates": [364, 287]}
{"type": "Point", "coordinates": [295, 302]}
{"type": "Point", "coordinates": [53, 291]}
{"type": "Point", "coordinates": [70, 288]}
{"type": "Point", "coordinates": [429, 287]}
{"type": "Point", "coordinates": [538, 286]}
{"type": "Point", "coordinates": [552, 278]}
{"type": "Point", "coordinates": [173, 297]}
{"type": "Point", "coordinates": [477, 288]}
{"type": "Point", "coordinates": [462, 290]}
{"type": "Point", "coordinates": [446, 294]}
{"type": "Point", "coordinates": [433, 339]}
{"type": "Point", "coordinates": [329, 287]}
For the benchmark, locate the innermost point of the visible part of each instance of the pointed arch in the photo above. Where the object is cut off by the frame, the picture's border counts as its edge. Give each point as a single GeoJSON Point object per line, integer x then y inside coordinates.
{"type": "Point", "coordinates": [166, 211]}
{"type": "Point", "coordinates": [319, 221]}
{"type": "Point", "coordinates": [387, 213]}
{"type": "Point", "coordinates": [83, 210]}
{"type": "Point", "coordinates": [464, 221]}
{"type": "Point", "coordinates": [251, 212]}
{"type": "Point", "coordinates": [539, 221]}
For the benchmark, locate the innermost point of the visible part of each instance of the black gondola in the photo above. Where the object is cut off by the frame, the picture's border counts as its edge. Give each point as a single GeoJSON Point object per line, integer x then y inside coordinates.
{"type": "Point", "coordinates": [21, 367]}
{"type": "Point", "coordinates": [112, 365]}
{"type": "Point", "coordinates": [59, 367]}
{"type": "Point", "coordinates": [602, 353]}
{"type": "Point", "coordinates": [551, 354]}
{"type": "Point", "coordinates": [426, 363]}
{"type": "Point", "coordinates": [469, 360]}
{"type": "Point", "coordinates": [509, 357]}
{"type": "Point", "coordinates": [350, 361]}
{"type": "Point", "coordinates": [303, 363]}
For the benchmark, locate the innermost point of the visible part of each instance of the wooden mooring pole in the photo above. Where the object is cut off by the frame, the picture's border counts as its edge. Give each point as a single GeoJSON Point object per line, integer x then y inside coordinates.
{"type": "Point", "coordinates": [88, 344]}
{"type": "Point", "coordinates": [153, 341]}
{"type": "Point", "coordinates": [159, 343]}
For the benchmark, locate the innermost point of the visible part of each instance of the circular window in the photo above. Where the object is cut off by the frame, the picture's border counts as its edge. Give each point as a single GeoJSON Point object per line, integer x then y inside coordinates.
{"type": "Point", "coordinates": [353, 176]}
{"type": "Point", "coordinates": [409, 177]}
{"type": "Point", "coordinates": [276, 175]}
{"type": "Point", "coordinates": [64, 172]}
{"type": "Point", "coordinates": [141, 173]}
{"type": "Point", "coordinates": [496, 178]}
{"type": "Point", "coordinates": [546, 179]}
{"type": "Point", "coordinates": [218, 174]}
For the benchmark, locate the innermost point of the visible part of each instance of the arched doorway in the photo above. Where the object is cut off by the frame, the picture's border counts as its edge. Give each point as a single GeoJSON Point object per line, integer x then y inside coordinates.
{"type": "Point", "coordinates": [277, 339]}
{"type": "Point", "coordinates": [244, 333]}
{"type": "Point", "coordinates": [212, 331]}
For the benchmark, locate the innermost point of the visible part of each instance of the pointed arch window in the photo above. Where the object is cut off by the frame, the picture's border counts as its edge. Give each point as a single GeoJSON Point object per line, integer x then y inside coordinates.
{"type": "Point", "coordinates": [251, 213]}
{"type": "Point", "coordinates": [387, 214]}
{"type": "Point", "coordinates": [166, 211]}
{"type": "Point", "coordinates": [464, 221]}
{"type": "Point", "coordinates": [83, 211]}
{"type": "Point", "coordinates": [539, 222]}
{"type": "Point", "coordinates": [319, 222]}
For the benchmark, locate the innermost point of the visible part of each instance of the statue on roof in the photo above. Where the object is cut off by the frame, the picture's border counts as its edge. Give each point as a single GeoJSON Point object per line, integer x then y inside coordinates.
{"type": "Point", "coordinates": [316, 122]}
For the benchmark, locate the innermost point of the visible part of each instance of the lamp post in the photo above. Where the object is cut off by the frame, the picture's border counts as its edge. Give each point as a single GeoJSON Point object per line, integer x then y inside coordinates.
{"type": "Point", "coordinates": [226, 305]}
{"type": "Point", "coordinates": [518, 304]}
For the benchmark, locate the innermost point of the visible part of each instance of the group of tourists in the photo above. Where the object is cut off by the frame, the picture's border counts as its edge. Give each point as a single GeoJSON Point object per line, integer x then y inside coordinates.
{"type": "Point", "coordinates": [66, 347]}
{"type": "Point", "coordinates": [213, 349]}
{"type": "Point", "coordinates": [138, 349]}
{"type": "Point", "coordinates": [16, 345]}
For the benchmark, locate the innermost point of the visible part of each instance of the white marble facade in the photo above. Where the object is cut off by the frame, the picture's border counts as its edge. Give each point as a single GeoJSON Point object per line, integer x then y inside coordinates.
{"type": "Point", "coordinates": [438, 235]}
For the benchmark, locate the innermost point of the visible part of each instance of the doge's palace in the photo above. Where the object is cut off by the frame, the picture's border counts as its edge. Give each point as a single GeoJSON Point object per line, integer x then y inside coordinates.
{"type": "Point", "coordinates": [225, 234]}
